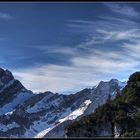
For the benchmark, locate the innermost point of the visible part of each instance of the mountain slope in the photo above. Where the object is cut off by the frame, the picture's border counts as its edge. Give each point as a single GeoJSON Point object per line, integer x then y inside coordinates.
{"type": "Point", "coordinates": [25, 114]}
{"type": "Point", "coordinates": [116, 118]}
{"type": "Point", "coordinates": [12, 92]}
{"type": "Point", "coordinates": [98, 95]}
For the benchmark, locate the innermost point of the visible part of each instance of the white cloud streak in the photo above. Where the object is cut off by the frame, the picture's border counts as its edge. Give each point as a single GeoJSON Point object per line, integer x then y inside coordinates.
{"type": "Point", "coordinates": [133, 49]}
{"type": "Point", "coordinates": [119, 35]}
{"type": "Point", "coordinates": [88, 70]}
{"type": "Point", "coordinates": [84, 72]}
{"type": "Point", "coordinates": [5, 16]}
{"type": "Point", "coordinates": [102, 36]}
{"type": "Point", "coordinates": [57, 49]}
{"type": "Point", "coordinates": [122, 9]}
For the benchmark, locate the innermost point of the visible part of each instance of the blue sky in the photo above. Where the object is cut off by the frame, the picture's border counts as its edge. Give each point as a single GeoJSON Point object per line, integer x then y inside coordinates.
{"type": "Point", "coordinates": [64, 47]}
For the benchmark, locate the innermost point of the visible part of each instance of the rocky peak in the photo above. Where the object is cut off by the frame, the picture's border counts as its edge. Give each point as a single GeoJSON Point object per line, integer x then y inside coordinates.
{"type": "Point", "coordinates": [111, 82]}
{"type": "Point", "coordinates": [1, 71]}
{"type": "Point", "coordinates": [116, 118]}
{"type": "Point", "coordinates": [114, 81]}
{"type": "Point", "coordinates": [12, 92]}
{"type": "Point", "coordinates": [109, 86]}
{"type": "Point", "coordinates": [8, 73]}
{"type": "Point", "coordinates": [6, 78]}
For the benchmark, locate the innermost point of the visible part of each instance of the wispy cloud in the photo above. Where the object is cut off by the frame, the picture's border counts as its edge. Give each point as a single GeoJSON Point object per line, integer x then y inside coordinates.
{"type": "Point", "coordinates": [119, 20]}
{"type": "Point", "coordinates": [60, 49]}
{"type": "Point", "coordinates": [119, 35]}
{"type": "Point", "coordinates": [106, 29]}
{"type": "Point", "coordinates": [5, 16]}
{"type": "Point", "coordinates": [109, 23]}
{"type": "Point", "coordinates": [133, 49]}
{"type": "Point", "coordinates": [84, 72]}
{"type": "Point", "coordinates": [100, 64]}
{"type": "Point", "coordinates": [105, 36]}
{"type": "Point", "coordinates": [122, 9]}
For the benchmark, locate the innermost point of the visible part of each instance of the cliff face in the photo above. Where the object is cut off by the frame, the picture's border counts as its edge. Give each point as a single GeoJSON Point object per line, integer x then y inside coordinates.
{"type": "Point", "coordinates": [12, 92]}
{"type": "Point", "coordinates": [116, 118]}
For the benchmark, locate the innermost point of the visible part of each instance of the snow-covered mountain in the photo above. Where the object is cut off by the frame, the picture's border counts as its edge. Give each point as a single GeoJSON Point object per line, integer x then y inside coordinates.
{"type": "Point", "coordinates": [96, 96]}
{"type": "Point", "coordinates": [12, 92]}
{"type": "Point", "coordinates": [25, 114]}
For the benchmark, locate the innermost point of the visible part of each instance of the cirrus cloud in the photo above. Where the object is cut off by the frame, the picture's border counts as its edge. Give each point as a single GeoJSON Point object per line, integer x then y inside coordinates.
{"type": "Point", "coordinates": [5, 16]}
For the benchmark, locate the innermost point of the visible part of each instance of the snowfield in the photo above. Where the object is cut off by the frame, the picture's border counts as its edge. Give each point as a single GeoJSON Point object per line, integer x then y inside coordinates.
{"type": "Point", "coordinates": [4, 128]}
{"type": "Point", "coordinates": [73, 115]}
{"type": "Point", "coordinates": [20, 98]}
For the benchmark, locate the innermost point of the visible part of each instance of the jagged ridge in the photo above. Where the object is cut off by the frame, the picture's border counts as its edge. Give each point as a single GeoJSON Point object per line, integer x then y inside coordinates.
{"type": "Point", "coordinates": [117, 118]}
{"type": "Point", "coordinates": [46, 114]}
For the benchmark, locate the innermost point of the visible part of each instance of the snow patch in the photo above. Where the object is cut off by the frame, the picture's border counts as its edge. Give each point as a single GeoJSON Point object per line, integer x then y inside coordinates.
{"type": "Point", "coordinates": [10, 113]}
{"type": "Point", "coordinates": [20, 98]}
{"type": "Point", "coordinates": [4, 128]}
{"type": "Point", "coordinates": [67, 115]}
{"type": "Point", "coordinates": [38, 129]}
{"type": "Point", "coordinates": [77, 112]}
{"type": "Point", "coordinates": [39, 105]}
{"type": "Point", "coordinates": [44, 132]}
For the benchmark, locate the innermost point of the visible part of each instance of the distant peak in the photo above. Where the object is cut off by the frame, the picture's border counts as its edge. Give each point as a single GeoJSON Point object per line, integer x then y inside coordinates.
{"type": "Point", "coordinates": [114, 80]}
{"type": "Point", "coordinates": [8, 72]}
{"type": "Point", "coordinates": [1, 69]}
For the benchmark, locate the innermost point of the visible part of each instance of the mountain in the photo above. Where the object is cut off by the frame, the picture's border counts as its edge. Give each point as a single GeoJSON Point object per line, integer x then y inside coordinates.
{"type": "Point", "coordinates": [116, 118]}
{"type": "Point", "coordinates": [12, 92]}
{"type": "Point", "coordinates": [26, 114]}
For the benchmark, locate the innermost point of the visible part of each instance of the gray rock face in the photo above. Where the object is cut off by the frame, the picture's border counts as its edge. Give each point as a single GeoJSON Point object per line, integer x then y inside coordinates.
{"type": "Point", "coordinates": [98, 96]}
{"type": "Point", "coordinates": [6, 79]}
{"type": "Point", "coordinates": [101, 92]}
{"type": "Point", "coordinates": [12, 92]}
